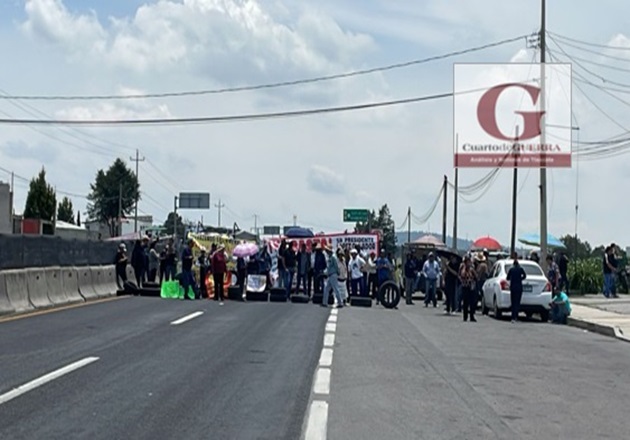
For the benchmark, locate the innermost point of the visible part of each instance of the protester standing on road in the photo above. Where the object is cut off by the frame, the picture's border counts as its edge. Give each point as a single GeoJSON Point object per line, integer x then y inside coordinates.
{"type": "Point", "coordinates": [355, 268]}
{"type": "Point", "coordinates": [610, 270]}
{"type": "Point", "coordinates": [319, 269]}
{"type": "Point", "coordinates": [411, 272]}
{"type": "Point", "coordinates": [281, 263]}
{"type": "Point", "coordinates": [154, 262]}
{"type": "Point", "coordinates": [332, 283]}
{"type": "Point", "coordinates": [482, 273]}
{"type": "Point", "coordinates": [137, 261]}
{"type": "Point", "coordinates": [188, 279]}
{"type": "Point", "coordinates": [432, 273]}
{"type": "Point", "coordinates": [171, 260]}
{"type": "Point", "coordinates": [303, 269]}
{"type": "Point", "coordinates": [343, 276]}
{"type": "Point", "coordinates": [450, 284]}
{"type": "Point", "coordinates": [515, 277]}
{"type": "Point", "coordinates": [219, 268]}
{"type": "Point", "coordinates": [563, 266]}
{"type": "Point", "coordinates": [121, 265]}
{"type": "Point", "coordinates": [553, 274]}
{"type": "Point", "coordinates": [204, 266]}
{"type": "Point", "coordinates": [264, 264]}
{"type": "Point", "coordinates": [372, 278]}
{"type": "Point", "coordinates": [468, 279]}
{"type": "Point", "coordinates": [241, 273]}
{"type": "Point", "coordinates": [290, 263]}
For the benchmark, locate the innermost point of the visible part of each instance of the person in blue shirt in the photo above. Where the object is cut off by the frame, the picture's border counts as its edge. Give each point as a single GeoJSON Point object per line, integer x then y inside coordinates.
{"type": "Point", "coordinates": [515, 277]}
{"type": "Point", "coordinates": [560, 308]}
{"type": "Point", "coordinates": [383, 268]}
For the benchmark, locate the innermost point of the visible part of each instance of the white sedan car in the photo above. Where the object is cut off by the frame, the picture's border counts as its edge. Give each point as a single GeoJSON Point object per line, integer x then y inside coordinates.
{"type": "Point", "coordinates": [536, 290]}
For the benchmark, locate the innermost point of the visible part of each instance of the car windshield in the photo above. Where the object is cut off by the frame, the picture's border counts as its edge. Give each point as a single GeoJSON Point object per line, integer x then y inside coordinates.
{"type": "Point", "coordinates": [530, 269]}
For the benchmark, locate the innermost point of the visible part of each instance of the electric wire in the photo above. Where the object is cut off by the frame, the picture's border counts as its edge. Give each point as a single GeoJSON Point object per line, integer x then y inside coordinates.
{"type": "Point", "coordinates": [270, 85]}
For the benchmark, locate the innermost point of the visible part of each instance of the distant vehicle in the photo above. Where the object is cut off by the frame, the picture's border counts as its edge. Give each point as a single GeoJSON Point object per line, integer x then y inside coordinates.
{"type": "Point", "coordinates": [536, 291]}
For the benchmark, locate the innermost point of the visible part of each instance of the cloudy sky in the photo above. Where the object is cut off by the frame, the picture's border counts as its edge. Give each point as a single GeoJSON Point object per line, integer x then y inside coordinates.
{"type": "Point", "coordinates": [311, 167]}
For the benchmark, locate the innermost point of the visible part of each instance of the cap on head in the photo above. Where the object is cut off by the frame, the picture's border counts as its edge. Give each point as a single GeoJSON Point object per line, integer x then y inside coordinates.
{"type": "Point", "coordinates": [353, 251]}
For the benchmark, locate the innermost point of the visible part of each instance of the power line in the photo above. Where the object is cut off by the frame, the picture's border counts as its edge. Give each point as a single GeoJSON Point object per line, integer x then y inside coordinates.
{"type": "Point", "coordinates": [270, 85]}
{"type": "Point", "coordinates": [587, 43]}
{"type": "Point", "coordinates": [232, 118]}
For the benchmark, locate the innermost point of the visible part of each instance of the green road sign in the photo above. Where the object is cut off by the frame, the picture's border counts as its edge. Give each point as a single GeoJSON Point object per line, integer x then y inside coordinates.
{"type": "Point", "coordinates": [355, 215]}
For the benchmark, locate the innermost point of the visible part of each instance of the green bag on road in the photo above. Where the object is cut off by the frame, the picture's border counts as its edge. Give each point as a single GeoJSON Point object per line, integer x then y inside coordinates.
{"type": "Point", "coordinates": [170, 290]}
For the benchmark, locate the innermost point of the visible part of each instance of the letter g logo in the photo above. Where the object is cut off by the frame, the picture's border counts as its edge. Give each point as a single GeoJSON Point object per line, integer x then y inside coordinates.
{"type": "Point", "coordinates": [487, 109]}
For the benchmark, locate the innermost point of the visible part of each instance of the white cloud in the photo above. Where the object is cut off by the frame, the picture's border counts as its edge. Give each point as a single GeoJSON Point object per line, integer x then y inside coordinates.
{"type": "Point", "coordinates": [325, 181]}
{"type": "Point", "coordinates": [51, 21]}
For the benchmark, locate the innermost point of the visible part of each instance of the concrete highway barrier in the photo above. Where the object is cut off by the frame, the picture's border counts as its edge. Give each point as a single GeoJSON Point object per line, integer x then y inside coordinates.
{"type": "Point", "coordinates": [131, 276]}
{"type": "Point", "coordinates": [86, 285]}
{"type": "Point", "coordinates": [17, 290]}
{"type": "Point", "coordinates": [70, 279]}
{"type": "Point", "coordinates": [37, 288]}
{"type": "Point", "coordinates": [54, 283]}
{"type": "Point", "coordinates": [5, 304]}
{"type": "Point", "coordinates": [104, 280]}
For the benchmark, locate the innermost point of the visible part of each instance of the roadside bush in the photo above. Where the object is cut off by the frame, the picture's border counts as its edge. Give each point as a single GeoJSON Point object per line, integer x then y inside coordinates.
{"type": "Point", "coordinates": [585, 276]}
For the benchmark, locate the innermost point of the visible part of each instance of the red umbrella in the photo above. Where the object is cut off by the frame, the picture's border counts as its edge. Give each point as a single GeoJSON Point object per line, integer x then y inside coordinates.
{"type": "Point", "coordinates": [492, 244]}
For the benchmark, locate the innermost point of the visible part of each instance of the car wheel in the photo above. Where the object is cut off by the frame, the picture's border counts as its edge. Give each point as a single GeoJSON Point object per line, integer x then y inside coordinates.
{"type": "Point", "coordinates": [497, 312]}
{"type": "Point", "coordinates": [529, 315]}
{"type": "Point", "coordinates": [544, 316]}
{"type": "Point", "coordinates": [484, 307]}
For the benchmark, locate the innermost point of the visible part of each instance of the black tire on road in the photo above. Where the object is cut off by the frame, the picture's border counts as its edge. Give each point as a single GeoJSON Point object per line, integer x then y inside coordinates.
{"type": "Point", "coordinates": [389, 295]}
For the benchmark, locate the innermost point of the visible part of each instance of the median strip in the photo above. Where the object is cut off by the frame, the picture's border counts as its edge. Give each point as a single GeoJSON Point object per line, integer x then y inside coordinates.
{"type": "Point", "coordinates": [187, 318]}
{"type": "Point", "coordinates": [4, 398]}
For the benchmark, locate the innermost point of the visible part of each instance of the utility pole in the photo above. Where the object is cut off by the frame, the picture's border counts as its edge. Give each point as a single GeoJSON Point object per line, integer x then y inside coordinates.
{"type": "Point", "coordinates": [444, 211]}
{"type": "Point", "coordinates": [256, 224]}
{"type": "Point", "coordinates": [456, 198]}
{"type": "Point", "coordinates": [137, 160]}
{"type": "Point", "coordinates": [409, 225]}
{"type": "Point", "coordinates": [11, 204]}
{"type": "Point", "coordinates": [175, 218]}
{"type": "Point", "coordinates": [294, 220]}
{"type": "Point", "coordinates": [543, 165]}
{"type": "Point", "coordinates": [514, 194]}
{"type": "Point", "coordinates": [219, 206]}
{"type": "Point", "coordinates": [120, 209]}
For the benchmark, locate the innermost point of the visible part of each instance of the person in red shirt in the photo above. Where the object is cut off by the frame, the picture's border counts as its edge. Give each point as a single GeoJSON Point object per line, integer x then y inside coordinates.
{"type": "Point", "coordinates": [219, 267]}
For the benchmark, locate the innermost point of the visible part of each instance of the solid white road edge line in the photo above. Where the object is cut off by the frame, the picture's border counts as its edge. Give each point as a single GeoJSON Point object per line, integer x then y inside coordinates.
{"type": "Point", "coordinates": [317, 427]}
{"type": "Point", "coordinates": [325, 359]}
{"type": "Point", "coordinates": [22, 389]}
{"type": "Point", "coordinates": [322, 381]}
{"type": "Point", "coordinates": [186, 318]}
{"type": "Point", "coordinates": [329, 340]}
{"type": "Point", "coordinates": [331, 327]}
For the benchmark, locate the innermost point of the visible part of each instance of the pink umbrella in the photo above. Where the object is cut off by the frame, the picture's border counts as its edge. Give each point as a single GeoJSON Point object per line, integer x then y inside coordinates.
{"type": "Point", "coordinates": [245, 250]}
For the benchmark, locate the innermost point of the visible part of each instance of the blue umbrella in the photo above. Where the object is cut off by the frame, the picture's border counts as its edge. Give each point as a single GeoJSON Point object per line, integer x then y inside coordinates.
{"type": "Point", "coordinates": [534, 240]}
{"type": "Point", "coordinates": [299, 233]}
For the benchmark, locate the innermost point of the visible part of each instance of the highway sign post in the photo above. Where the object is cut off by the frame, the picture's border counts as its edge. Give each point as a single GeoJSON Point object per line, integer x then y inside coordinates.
{"type": "Point", "coordinates": [356, 215]}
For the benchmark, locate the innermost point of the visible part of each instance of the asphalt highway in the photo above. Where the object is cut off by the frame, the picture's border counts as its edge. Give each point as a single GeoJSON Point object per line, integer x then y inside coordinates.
{"type": "Point", "coordinates": [147, 368]}
{"type": "Point", "coordinates": [241, 371]}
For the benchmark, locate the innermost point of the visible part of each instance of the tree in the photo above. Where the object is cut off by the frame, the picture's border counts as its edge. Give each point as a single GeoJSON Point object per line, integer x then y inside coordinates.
{"type": "Point", "coordinates": [383, 222]}
{"type": "Point", "coordinates": [576, 248]}
{"type": "Point", "coordinates": [41, 201]}
{"type": "Point", "coordinates": [386, 224]}
{"type": "Point", "coordinates": [65, 212]}
{"type": "Point", "coordinates": [117, 185]}
{"type": "Point", "coordinates": [169, 223]}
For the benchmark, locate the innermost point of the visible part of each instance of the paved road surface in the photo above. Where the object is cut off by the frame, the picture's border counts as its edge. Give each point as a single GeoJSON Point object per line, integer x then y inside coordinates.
{"type": "Point", "coordinates": [245, 371]}
{"type": "Point", "coordinates": [242, 371]}
{"type": "Point", "coordinates": [423, 375]}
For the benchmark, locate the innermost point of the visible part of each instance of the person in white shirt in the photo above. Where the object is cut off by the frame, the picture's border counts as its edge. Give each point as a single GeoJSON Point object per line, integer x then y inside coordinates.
{"type": "Point", "coordinates": [355, 267]}
{"type": "Point", "coordinates": [432, 273]}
